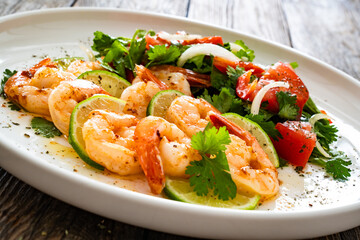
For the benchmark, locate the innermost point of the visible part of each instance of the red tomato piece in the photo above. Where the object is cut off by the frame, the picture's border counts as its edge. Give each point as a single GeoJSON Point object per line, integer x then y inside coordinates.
{"type": "Point", "coordinates": [221, 64]}
{"type": "Point", "coordinates": [243, 86]}
{"type": "Point", "coordinates": [297, 143]}
{"type": "Point", "coordinates": [285, 73]}
{"type": "Point", "coordinates": [155, 40]}
{"type": "Point", "coordinates": [214, 40]}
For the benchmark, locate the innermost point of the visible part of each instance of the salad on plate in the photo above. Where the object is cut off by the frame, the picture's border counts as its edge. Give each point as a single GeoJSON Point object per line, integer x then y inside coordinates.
{"type": "Point", "coordinates": [190, 118]}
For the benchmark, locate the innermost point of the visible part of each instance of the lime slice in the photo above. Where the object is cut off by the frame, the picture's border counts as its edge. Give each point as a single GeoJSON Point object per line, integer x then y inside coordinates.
{"type": "Point", "coordinates": [65, 62]}
{"type": "Point", "coordinates": [258, 133]}
{"type": "Point", "coordinates": [79, 116]}
{"type": "Point", "coordinates": [161, 102]}
{"type": "Point", "coordinates": [179, 189]}
{"type": "Point", "coordinates": [111, 82]}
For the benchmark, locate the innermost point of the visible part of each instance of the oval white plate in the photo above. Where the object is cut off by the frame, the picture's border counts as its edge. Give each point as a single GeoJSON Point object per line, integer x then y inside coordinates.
{"type": "Point", "coordinates": [54, 32]}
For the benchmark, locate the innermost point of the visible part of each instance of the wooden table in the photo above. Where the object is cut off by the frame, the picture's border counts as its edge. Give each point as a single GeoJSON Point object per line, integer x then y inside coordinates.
{"type": "Point", "coordinates": [327, 30]}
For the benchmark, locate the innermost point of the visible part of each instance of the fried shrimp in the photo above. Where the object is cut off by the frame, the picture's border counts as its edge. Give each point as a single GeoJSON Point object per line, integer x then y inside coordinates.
{"type": "Point", "coordinates": [189, 114]}
{"type": "Point", "coordinates": [162, 148]}
{"type": "Point", "coordinates": [109, 141]}
{"type": "Point", "coordinates": [31, 88]}
{"type": "Point", "coordinates": [64, 98]}
{"type": "Point", "coordinates": [80, 66]}
{"type": "Point", "coordinates": [250, 167]}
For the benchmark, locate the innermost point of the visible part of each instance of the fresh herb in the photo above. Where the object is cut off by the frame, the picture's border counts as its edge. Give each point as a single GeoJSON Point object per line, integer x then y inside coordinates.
{"type": "Point", "coordinates": [212, 172]}
{"type": "Point", "coordinates": [267, 126]}
{"type": "Point", "coordinates": [44, 127]}
{"type": "Point", "coordinates": [246, 54]}
{"type": "Point", "coordinates": [138, 46]}
{"type": "Point", "coordinates": [294, 65]}
{"type": "Point", "coordinates": [6, 75]}
{"type": "Point", "coordinates": [161, 54]}
{"type": "Point", "coordinates": [325, 133]}
{"type": "Point", "coordinates": [13, 106]}
{"type": "Point", "coordinates": [288, 109]}
{"type": "Point", "coordinates": [200, 64]}
{"type": "Point", "coordinates": [336, 166]}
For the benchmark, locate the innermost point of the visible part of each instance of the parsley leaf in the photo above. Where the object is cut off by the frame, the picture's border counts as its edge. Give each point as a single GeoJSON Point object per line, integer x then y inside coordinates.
{"type": "Point", "coordinates": [288, 109]}
{"type": "Point", "coordinates": [335, 166]}
{"type": "Point", "coordinates": [44, 127]}
{"type": "Point", "coordinates": [212, 172]}
{"type": "Point", "coordinates": [161, 54]}
{"type": "Point", "coordinates": [267, 126]}
{"type": "Point", "coordinates": [6, 75]}
{"type": "Point", "coordinates": [246, 54]}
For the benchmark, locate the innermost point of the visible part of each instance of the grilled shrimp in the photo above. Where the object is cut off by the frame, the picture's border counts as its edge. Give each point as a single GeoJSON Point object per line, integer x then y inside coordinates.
{"type": "Point", "coordinates": [250, 167]}
{"type": "Point", "coordinates": [109, 141]}
{"type": "Point", "coordinates": [31, 88]}
{"type": "Point", "coordinates": [162, 148]}
{"type": "Point", "coordinates": [64, 98]}
{"type": "Point", "coordinates": [189, 114]}
{"type": "Point", "coordinates": [80, 66]}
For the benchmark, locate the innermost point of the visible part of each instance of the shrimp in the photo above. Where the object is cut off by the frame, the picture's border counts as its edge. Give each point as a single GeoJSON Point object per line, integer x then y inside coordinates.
{"type": "Point", "coordinates": [162, 148]}
{"type": "Point", "coordinates": [64, 98]}
{"type": "Point", "coordinates": [250, 167]}
{"type": "Point", "coordinates": [109, 141]}
{"type": "Point", "coordinates": [189, 114]}
{"type": "Point", "coordinates": [31, 88]}
{"type": "Point", "coordinates": [193, 78]}
{"type": "Point", "coordinates": [78, 67]}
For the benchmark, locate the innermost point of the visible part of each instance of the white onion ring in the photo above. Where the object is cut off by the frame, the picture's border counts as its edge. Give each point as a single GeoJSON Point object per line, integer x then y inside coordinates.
{"type": "Point", "coordinates": [206, 49]}
{"type": "Point", "coordinates": [314, 118]}
{"type": "Point", "coordinates": [177, 37]}
{"type": "Point", "coordinates": [255, 106]}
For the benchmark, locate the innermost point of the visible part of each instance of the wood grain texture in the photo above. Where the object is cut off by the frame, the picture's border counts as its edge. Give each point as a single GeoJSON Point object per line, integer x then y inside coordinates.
{"type": "Point", "coordinates": [328, 30]}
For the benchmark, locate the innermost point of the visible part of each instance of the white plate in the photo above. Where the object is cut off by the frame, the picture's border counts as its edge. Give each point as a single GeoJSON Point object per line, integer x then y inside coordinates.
{"type": "Point", "coordinates": [58, 32]}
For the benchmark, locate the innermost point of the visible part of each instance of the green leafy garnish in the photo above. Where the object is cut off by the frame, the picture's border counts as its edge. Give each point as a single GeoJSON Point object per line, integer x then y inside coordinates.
{"type": "Point", "coordinates": [44, 127]}
{"type": "Point", "coordinates": [294, 65]}
{"type": "Point", "coordinates": [288, 109]}
{"type": "Point", "coordinates": [336, 166]}
{"type": "Point", "coordinates": [6, 75]}
{"type": "Point", "coordinates": [212, 172]}
{"type": "Point", "coordinates": [246, 54]}
{"type": "Point", "coordinates": [161, 54]}
{"type": "Point", "coordinates": [267, 126]}
{"type": "Point", "coordinates": [325, 133]}
{"type": "Point", "coordinates": [200, 64]}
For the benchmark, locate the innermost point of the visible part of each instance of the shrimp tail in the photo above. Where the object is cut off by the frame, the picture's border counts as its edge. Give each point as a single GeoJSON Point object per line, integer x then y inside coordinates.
{"type": "Point", "coordinates": [195, 79]}
{"type": "Point", "coordinates": [148, 154]}
{"type": "Point", "coordinates": [219, 121]}
{"type": "Point", "coordinates": [146, 75]}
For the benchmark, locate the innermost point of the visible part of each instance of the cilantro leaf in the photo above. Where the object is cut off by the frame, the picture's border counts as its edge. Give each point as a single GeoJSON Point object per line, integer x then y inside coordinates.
{"type": "Point", "coordinates": [6, 75]}
{"type": "Point", "coordinates": [294, 65]}
{"type": "Point", "coordinates": [267, 126]}
{"type": "Point", "coordinates": [336, 166]}
{"type": "Point", "coordinates": [137, 47]}
{"type": "Point", "coordinates": [44, 127]}
{"type": "Point", "coordinates": [288, 109]}
{"type": "Point", "coordinates": [200, 64]}
{"type": "Point", "coordinates": [246, 54]}
{"type": "Point", "coordinates": [212, 172]}
{"type": "Point", "coordinates": [161, 54]}
{"type": "Point", "coordinates": [325, 133]}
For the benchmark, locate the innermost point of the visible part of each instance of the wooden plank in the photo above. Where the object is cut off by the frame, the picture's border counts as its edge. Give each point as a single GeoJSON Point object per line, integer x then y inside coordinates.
{"type": "Point", "coordinates": [246, 16]}
{"type": "Point", "coordinates": [178, 8]}
{"type": "Point", "coordinates": [327, 30]}
{"type": "Point", "coordinates": [11, 6]}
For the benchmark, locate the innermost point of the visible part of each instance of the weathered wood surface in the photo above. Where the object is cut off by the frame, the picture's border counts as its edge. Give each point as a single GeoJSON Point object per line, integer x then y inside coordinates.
{"type": "Point", "coordinates": [327, 30]}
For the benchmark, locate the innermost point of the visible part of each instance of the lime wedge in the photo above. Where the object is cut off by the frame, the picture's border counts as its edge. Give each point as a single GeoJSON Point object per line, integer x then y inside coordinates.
{"type": "Point", "coordinates": [179, 189]}
{"type": "Point", "coordinates": [161, 102]}
{"type": "Point", "coordinates": [79, 116]}
{"type": "Point", "coordinates": [258, 133]}
{"type": "Point", "coordinates": [65, 62]}
{"type": "Point", "coordinates": [111, 82]}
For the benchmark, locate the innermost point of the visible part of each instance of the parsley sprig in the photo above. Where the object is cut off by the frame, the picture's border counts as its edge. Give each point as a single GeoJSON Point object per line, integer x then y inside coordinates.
{"type": "Point", "coordinates": [212, 172]}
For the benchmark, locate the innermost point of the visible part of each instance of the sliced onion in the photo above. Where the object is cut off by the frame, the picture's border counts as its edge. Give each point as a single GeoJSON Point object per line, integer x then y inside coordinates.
{"type": "Point", "coordinates": [255, 106]}
{"type": "Point", "coordinates": [314, 118]}
{"type": "Point", "coordinates": [90, 55]}
{"type": "Point", "coordinates": [177, 37]}
{"type": "Point", "coordinates": [206, 49]}
{"type": "Point", "coordinates": [235, 47]}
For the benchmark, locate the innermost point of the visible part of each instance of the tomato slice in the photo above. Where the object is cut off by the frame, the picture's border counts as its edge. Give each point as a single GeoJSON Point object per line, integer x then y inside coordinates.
{"type": "Point", "coordinates": [214, 40]}
{"type": "Point", "coordinates": [221, 64]}
{"type": "Point", "coordinates": [285, 73]}
{"type": "Point", "coordinates": [155, 40]}
{"type": "Point", "coordinates": [243, 86]}
{"type": "Point", "coordinates": [297, 143]}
